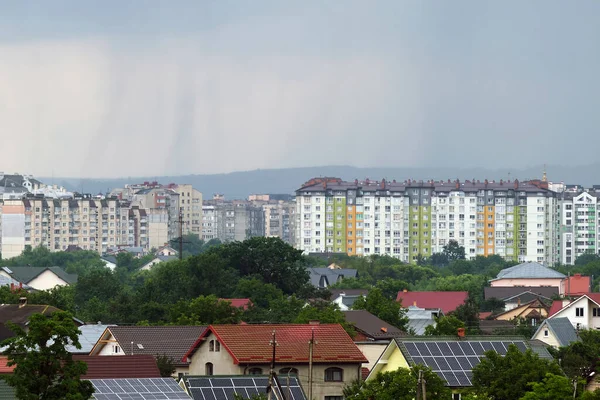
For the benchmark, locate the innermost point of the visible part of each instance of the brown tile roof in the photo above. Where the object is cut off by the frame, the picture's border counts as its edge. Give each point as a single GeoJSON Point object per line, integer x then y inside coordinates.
{"type": "Point", "coordinates": [250, 343]}
{"type": "Point", "coordinates": [20, 316]}
{"type": "Point", "coordinates": [371, 326]}
{"type": "Point", "coordinates": [447, 301]}
{"type": "Point", "coordinates": [112, 367]}
{"type": "Point", "coordinates": [173, 341]}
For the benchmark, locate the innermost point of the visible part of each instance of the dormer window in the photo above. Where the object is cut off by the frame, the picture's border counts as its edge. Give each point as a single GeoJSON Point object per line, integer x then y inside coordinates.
{"type": "Point", "coordinates": [214, 345]}
{"type": "Point", "coordinates": [116, 349]}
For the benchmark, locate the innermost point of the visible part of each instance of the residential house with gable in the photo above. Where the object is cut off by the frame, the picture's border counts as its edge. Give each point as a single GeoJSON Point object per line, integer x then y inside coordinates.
{"type": "Point", "coordinates": [171, 341]}
{"type": "Point", "coordinates": [325, 277]}
{"type": "Point", "coordinates": [556, 332]}
{"type": "Point", "coordinates": [345, 298]}
{"type": "Point", "coordinates": [247, 350]}
{"type": "Point", "coordinates": [39, 278]}
{"type": "Point", "coordinates": [157, 260]}
{"type": "Point", "coordinates": [583, 312]}
{"type": "Point", "coordinates": [533, 274]}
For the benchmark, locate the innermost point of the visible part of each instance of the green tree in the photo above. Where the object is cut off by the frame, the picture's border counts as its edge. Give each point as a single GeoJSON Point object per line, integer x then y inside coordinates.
{"type": "Point", "coordinates": [492, 375]}
{"type": "Point", "coordinates": [390, 287]}
{"type": "Point", "coordinates": [385, 308]}
{"type": "Point", "coordinates": [553, 387]}
{"type": "Point", "coordinates": [44, 368]}
{"type": "Point", "coordinates": [446, 325]}
{"type": "Point", "coordinates": [204, 310]}
{"type": "Point", "coordinates": [579, 359]}
{"type": "Point", "coordinates": [469, 314]}
{"type": "Point", "coordinates": [165, 364]}
{"type": "Point", "coordinates": [399, 385]}
{"type": "Point", "coordinates": [439, 259]}
{"type": "Point", "coordinates": [454, 251]}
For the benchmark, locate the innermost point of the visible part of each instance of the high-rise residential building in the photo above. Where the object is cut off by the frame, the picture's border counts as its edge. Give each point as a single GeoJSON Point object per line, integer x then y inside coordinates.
{"type": "Point", "coordinates": [234, 220]}
{"type": "Point", "coordinates": [82, 221]}
{"type": "Point", "coordinates": [280, 220]}
{"type": "Point", "coordinates": [579, 222]}
{"type": "Point", "coordinates": [190, 206]}
{"type": "Point", "coordinates": [516, 220]}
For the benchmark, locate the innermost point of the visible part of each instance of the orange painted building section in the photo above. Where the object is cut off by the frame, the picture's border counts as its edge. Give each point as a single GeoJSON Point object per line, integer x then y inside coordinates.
{"type": "Point", "coordinates": [351, 230]}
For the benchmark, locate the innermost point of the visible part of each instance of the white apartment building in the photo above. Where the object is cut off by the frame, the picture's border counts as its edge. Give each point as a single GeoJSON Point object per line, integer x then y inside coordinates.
{"type": "Point", "coordinates": [579, 221]}
{"type": "Point", "coordinates": [516, 220]}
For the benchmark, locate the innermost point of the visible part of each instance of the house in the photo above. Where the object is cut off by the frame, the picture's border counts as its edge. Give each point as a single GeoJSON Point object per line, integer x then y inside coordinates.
{"type": "Point", "coordinates": [532, 312]}
{"type": "Point", "coordinates": [87, 338]}
{"type": "Point", "coordinates": [247, 350]}
{"type": "Point", "coordinates": [239, 303]}
{"type": "Point", "coordinates": [157, 260]}
{"type": "Point", "coordinates": [135, 251]}
{"type": "Point", "coordinates": [110, 262]}
{"type": "Point", "coordinates": [451, 358]}
{"type": "Point", "coordinates": [508, 292]}
{"type": "Point", "coordinates": [528, 274]}
{"type": "Point", "coordinates": [345, 298]}
{"type": "Point", "coordinates": [138, 388]}
{"type": "Point", "coordinates": [522, 298]}
{"type": "Point", "coordinates": [556, 332]}
{"type": "Point", "coordinates": [172, 341]}
{"type": "Point", "coordinates": [446, 301]}
{"type": "Point", "coordinates": [19, 314]}
{"type": "Point", "coordinates": [420, 318]}
{"type": "Point", "coordinates": [39, 278]}
{"type": "Point", "coordinates": [576, 285]}
{"type": "Point", "coordinates": [128, 366]}
{"type": "Point", "coordinates": [369, 327]}
{"type": "Point", "coordinates": [285, 387]}
{"type": "Point", "coordinates": [372, 334]}
{"type": "Point", "coordinates": [325, 277]}
{"type": "Point", "coordinates": [583, 312]}
{"type": "Point", "coordinates": [166, 251]}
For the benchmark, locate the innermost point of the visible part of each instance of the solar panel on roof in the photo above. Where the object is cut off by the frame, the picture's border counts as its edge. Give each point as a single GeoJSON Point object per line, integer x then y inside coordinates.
{"type": "Point", "coordinates": [452, 360]}
{"type": "Point", "coordinates": [224, 388]}
{"type": "Point", "coordinates": [138, 389]}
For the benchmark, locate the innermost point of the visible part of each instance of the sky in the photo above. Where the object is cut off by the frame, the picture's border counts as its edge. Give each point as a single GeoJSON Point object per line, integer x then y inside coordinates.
{"type": "Point", "coordinates": [145, 88]}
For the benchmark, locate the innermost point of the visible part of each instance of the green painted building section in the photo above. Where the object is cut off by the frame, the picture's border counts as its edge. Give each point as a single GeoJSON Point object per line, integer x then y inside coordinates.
{"type": "Point", "coordinates": [339, 224]}
{"type": "Point", "coordinates": [417, 218]}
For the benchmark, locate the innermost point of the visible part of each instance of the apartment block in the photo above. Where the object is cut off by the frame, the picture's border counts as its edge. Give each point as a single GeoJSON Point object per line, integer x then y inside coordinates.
{"type": "Point", "coordinates": [279, 215]}
{"type": "Point", "coordinates": [579, 222]}
{"type": "Point", "coordinates": [234, 220]}
{"type": "Point", "coordinates": [81, 221]}
{"type": "Point", "coordinates": [516, 220]}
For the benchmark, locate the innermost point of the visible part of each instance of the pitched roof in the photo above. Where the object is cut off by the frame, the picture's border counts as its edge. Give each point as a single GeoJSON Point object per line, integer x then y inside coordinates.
{"type": "Point", "coordinates": [446, 301]}
{"type": "Point", "coordinates": [322, 277]}
{"type": "Point", "coordinates": [7, 392]}
{"type": "Point", "coordinates": [556, 306]}
{"type": "Point", "coordinates": [250, 343]}
{"type": "Point", "coordinates": [88, 337]}
{"type": "Point", "coordinates": [27, 274]}
{"type": "Point", "coordinates": [172, 341]}
{"type": "Point", "coordinates": [239, 303]}
{"type": "Point", "coordinates": [526, 270]}
{"type": "Point", "coordinates": [125, 366]}
{"type": "Point", "coordinates": [561, 328]}
{"type": "Point", "coordinates": [505, 292]}
{"type": "Point", "coordinates": [335, 293]}
{"type": "Point", "coordinates": [526, 297]}
{"type": "Point", "coordinates": [372, 326]}
{"type": "Point", "coordinates": [4, 368]}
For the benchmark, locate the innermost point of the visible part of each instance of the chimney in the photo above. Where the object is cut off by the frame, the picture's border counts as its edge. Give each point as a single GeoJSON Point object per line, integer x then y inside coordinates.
{"type": "Point", "coordinates": [415, 303]}
{"type": "Point", "coordinates": [405, 290]}
{"type": "Point", "coordinates": [12, 287]}
{"type": "Point", "coordinates": [22, 302]}
{"type": "Point", "coordinates": [314, 322]}
{"type": "Point", "coordinates": [460, 332]}
{"type": "Point", "coordinates": [516, 183]}
{"type": "Point", "coordinates": [383, 329]}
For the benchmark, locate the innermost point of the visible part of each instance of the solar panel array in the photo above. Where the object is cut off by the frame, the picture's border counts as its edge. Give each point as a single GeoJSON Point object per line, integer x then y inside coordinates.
{"type": "Point", "coordinates": [454, 361]}
{"type": "Point", "coordinates": [224, 388]}
{"type": "Point", "coordinates": [138, 389]}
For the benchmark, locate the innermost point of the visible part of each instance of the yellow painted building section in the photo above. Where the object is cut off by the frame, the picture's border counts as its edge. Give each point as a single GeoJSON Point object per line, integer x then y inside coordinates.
{"type": "Point", "coordinates": [351, 230]}
{"type": "Point", "coordinates": [395, 361]}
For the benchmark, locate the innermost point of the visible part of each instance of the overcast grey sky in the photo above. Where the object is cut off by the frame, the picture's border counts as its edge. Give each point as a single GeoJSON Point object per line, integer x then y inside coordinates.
{"type": "Point", "coordinates": [145, 88]}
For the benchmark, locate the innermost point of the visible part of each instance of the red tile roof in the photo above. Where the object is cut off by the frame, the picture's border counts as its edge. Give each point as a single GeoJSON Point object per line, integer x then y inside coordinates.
{"type": "Point", "coordinates": [447, 301]}
{"type": "Point", "coordinates": [250, 343]}
{"type": "Point", "coordinates": [484, 314]}
{"type": "Point", "coordinates": [556, 306]}
{"type": "Point", "coordinates": [576, 285]}
{"type": "Point", "coordinates": [364, 371]}
{"type": "Point", "coordinates": [5, 369]}
{"type": "Point", "coordinates": [594, 296]}
{"type": "Point", "coordinates": [239, 303]}
{"type": "Point", "coordinates": [113, 367]}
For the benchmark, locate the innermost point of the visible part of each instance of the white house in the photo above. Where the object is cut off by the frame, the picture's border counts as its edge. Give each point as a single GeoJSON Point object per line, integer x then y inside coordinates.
{"type": "Point", "coordinates": [556, 332]}
{"type": "Point", "coordinates": [39, 278]}
{"type": "Point", "coordinates": [157, 260]}
{"type": "Point", "coordinates": [583, 312]}
{"type": "Point", "coordinates": [110, 262]}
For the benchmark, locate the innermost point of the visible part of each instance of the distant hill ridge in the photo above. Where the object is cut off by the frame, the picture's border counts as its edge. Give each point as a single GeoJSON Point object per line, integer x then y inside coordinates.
{"type": "Point", "coordinates": [238, 185]}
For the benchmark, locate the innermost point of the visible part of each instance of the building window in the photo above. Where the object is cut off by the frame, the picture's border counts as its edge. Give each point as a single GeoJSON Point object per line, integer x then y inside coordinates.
{"type": "Point", "coordinates": [208, 369]}
{"type": "Point", "coordinates": [334, 374]}
{"type": "Point", "coordinates": [214, 345]}
{"type": "Point", "coordinates": [288, 371]}
{"type": "Point", "coordinates": [334, 397]}
{"type": "Point", "coordinates": [255, 371]}
{"type": "Point", "coordinates": [596, 312]}
{"type": "Point", "coordinates": [579, 312]}
{"type": "Point", "coordinates": [116, 349]}
{"type": "Point", "coordinates": [545, 332]}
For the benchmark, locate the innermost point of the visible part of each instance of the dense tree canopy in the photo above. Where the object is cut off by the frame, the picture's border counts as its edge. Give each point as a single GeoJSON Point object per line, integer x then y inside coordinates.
{"type": "Point", "coordinates": [385, 308]}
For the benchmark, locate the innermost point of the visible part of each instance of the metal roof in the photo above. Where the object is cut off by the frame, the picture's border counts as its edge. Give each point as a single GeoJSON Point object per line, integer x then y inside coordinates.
{"type": "Point", "coordinates": [529, 270]}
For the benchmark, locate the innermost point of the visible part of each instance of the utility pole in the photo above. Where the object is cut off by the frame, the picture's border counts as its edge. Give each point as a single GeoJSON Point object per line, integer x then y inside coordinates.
{"type": "Point", "coordinates": [423, 387]}
{"type": "Point", "coordinates": [418, 397]}
{"type": "Point", "coordinates": [311, 343]}
{"type": "Point", "coordinates": [180, 239]}
{"type": "Point", "coordinates": [273, 344]}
